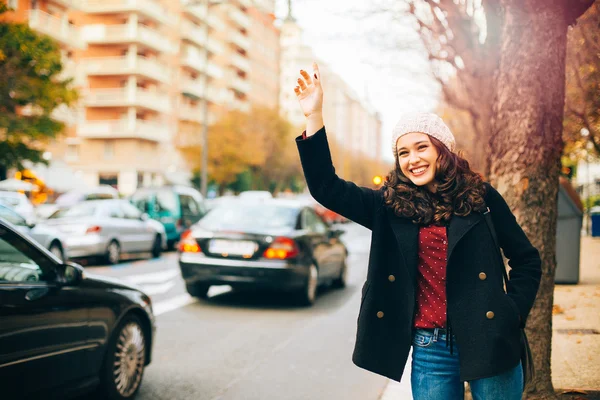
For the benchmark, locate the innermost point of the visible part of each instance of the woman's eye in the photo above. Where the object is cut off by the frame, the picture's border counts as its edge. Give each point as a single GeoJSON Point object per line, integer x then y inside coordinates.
{"type": "Point", "coordinates": [422, 147]}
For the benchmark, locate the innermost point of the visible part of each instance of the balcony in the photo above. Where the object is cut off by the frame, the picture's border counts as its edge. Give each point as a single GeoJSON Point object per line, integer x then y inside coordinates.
{"type": "Point", "coordinates": [146, 67]}
{"type": "Point", "coordinates": [214, 71]}
{"type": "Point", "coordinates": [126, 34]}
{"type": "Point", "coordinates": [216, 23]}
{"type": "Point", "coordinates": [239, 17]}
{"type": "Point", "coordinates": [123, 97]}
{"type": "Point", "coordinates": [63, 113]}
{"type": "Point", "coordinates": [147, 8]}
{"type": "Point", "coordinates": [124, 129]}
{"type": "Point", "coordinates": [193, 33]}
{"type": "Point", "coordinates": [193, 87]}
{"type": "Point", "coordinates": [194, 60]}
{"type": "Point", "coordinates": [216, 96]}
{"type": "Point", "coordinates": [240, 105]}
{"type": "Point", "coordinates": [239, 40]}
{"type": "Point", "coordinates": [239, 62]}
{"type": "Point", "coordinates": [191, 113]}
{"type": "Point", "coordinates": [57, 28]}
{"type": "Point", "coordinates": [214, 46]}
{"type": "Point", "coordinates": [240, 85]}
{"type": "Point", "coordinates": [198, 12]}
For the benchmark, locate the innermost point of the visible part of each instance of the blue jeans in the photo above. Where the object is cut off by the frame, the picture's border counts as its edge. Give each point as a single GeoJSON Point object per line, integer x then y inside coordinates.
{"type": "Point", "coordinates": [435, 373]}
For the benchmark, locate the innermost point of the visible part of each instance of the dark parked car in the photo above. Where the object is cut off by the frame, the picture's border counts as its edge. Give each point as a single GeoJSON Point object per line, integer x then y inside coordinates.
{"type": "Point", "coordinates": [274, 244]}
{"type": "Point", "coordinates": [63, 331]}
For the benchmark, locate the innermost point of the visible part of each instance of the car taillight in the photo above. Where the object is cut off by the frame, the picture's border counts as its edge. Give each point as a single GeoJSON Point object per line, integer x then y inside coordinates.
{"type": "Point", "coordinates": [187, 243]}
{"type": "Point", "coordinates": [282, 248]}
{"type": "Point", "coordinates": [93, 229]}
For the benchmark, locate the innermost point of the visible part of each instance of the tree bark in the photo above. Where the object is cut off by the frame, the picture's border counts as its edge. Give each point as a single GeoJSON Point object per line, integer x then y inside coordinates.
{"type": "Point", "coordinates": [526, 145]}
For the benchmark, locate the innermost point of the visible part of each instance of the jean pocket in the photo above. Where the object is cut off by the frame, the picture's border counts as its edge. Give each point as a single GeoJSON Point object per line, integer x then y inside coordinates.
{"type": "Point", "coordinates": [422, 340]}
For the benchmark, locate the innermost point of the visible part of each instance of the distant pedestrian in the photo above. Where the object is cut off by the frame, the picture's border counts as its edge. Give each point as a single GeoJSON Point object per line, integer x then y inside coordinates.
{"type": "Point", "coordinates": [435, 277]}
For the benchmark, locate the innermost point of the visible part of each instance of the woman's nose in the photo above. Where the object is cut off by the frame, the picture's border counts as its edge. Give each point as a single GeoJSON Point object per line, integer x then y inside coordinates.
{"type": "Point", "coordinates": [413, 158]}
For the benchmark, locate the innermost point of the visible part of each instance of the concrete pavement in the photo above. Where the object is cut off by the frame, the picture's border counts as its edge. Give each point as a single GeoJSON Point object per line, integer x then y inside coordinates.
{"type": "Point", "coordinates": [575, 338]}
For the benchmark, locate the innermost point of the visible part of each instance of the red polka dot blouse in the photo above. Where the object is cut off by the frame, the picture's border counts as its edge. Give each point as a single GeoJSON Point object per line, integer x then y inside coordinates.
{"type": "Point", "coordinates": [431, 278]}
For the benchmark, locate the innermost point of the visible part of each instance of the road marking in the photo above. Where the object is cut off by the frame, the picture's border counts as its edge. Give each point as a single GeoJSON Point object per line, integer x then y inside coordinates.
{"type": "Point", "coordinates": [151, 290]}
{"type": "Point", "coordinates": [153, 277]}
{"type": "Point", "coordinates": [173, 303]}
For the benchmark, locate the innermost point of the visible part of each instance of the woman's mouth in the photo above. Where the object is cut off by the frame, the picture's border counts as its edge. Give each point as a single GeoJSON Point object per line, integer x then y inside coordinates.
{"type": "Point", "coordinates": [419, 171]}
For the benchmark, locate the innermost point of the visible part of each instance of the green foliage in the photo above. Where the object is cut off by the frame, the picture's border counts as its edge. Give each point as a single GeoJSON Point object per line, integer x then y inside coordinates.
{"type": "Point", "coordinates": [29, 66]}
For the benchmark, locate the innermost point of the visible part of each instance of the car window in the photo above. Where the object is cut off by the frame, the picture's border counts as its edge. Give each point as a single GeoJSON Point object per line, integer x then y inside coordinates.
{"type": "Point", "coordinates": [142, 203]}
{"type": "Point", "coordinates": [77, 211]}
{"type": "Point", "coordinates": [165, 201]}
{"type": "Point", "coordinates": [249, 216]}
{"type": "Point", "coordinates": [189, 206]}
{"type": "Point", "coordinates": [115, 211]}
{"type": "Point", "coordinates": [20, 261]}
{"type": "Point", "coordinates": [130, 211]}
{"type": "Point", "coordinates": [12, 217]}
{"type": "Point", "coordinates": [314, 222]}
{"type": "Point", "coordinates": [9, 200]}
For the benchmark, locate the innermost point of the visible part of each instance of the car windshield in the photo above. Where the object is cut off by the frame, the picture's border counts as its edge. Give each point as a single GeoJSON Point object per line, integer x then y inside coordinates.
{"type": "Point", "coordinates": [77, 211]}
{"type": "Point", "coordinates": [249, 217]}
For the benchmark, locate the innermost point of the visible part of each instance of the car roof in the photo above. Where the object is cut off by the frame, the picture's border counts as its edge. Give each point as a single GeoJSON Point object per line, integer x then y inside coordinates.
{"type": "Point", "coordinates": [289, 203]}
{"type": "Point", "coordinates": [6, 193]}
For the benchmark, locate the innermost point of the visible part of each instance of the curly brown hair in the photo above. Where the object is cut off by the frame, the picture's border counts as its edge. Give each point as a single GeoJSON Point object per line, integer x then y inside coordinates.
{"type": "Point", "coordinates": [460, 190]}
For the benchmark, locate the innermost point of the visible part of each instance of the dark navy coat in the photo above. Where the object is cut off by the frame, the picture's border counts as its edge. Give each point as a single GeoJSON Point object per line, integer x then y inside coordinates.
{"type": "Point", "coordinates": [485, 320]}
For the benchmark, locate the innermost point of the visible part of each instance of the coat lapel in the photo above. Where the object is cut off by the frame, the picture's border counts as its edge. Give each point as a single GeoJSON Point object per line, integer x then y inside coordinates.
{"type": "Point", "coordinates": [407, 236]}
{"type": "Point", "coordinates": [458, 227]}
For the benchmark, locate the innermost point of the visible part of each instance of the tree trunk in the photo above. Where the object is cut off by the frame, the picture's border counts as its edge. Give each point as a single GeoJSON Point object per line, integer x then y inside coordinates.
{"type": "Point", "coordinates": [526, 144]}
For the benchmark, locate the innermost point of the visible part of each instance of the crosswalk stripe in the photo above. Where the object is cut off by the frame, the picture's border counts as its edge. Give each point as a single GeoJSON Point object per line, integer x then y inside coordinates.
{"type": "Point", "coordinates": [152, 290]}
{"type": "Point", "coordinates": [154, 277]}
{"type": "Point", "coordinates": [173, 303]}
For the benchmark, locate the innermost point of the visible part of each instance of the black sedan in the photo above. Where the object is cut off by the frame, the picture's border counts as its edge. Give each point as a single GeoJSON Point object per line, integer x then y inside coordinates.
{"type": "Point", "coordinates": [63, 332]}
{"type": "Point", "coordinates": [272, 244]}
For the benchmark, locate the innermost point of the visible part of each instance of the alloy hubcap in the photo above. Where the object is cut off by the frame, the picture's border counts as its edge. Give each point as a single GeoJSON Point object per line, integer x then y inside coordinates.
{"type": "Point", "coordinates": [130, 357]}
{"type": "Point", "coordinates": [113, 252]}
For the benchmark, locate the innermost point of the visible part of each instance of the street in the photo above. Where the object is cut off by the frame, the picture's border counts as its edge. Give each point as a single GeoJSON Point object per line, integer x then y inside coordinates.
{"type": "Point", "coordinates": [244, 345]}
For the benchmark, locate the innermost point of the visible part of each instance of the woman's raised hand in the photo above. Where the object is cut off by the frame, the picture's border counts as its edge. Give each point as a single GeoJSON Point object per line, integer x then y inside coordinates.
{"type": "Point", "coordinates": [310, 93]}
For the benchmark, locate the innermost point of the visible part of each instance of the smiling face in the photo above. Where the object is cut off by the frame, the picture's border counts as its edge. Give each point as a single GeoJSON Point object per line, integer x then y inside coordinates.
{"type": "Point", "coordinates": [417, 158]}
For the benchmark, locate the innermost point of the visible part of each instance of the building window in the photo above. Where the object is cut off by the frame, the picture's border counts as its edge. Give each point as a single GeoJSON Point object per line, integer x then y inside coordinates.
{"type": "Point", "coordinates": [72, 152]}
{"type": "Point", "coordinates": [109, 179]}
{"type": "Point", "coordinates": [109, 149]}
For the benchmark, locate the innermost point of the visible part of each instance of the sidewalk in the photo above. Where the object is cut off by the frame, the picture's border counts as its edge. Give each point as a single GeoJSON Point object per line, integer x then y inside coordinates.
{"type": "Point", "coordinates": [576, 332]}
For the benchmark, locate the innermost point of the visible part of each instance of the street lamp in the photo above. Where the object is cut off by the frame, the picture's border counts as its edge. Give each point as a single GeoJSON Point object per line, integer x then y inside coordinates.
{"type": "Point", "coordinates": [204, 141]}
{"type": "Point", "coordinates": [585, 134]}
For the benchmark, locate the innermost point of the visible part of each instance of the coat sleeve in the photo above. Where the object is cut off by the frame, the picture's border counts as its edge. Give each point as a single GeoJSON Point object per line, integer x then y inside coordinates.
{"type": "Point", "coordinates": [358, 204]}
{"type": "Point", "coordinates": [523, 259]}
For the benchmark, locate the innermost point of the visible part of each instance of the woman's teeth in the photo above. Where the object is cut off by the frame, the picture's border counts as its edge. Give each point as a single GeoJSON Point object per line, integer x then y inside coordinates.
{"type": "Point", "coordinates": [418, 171]}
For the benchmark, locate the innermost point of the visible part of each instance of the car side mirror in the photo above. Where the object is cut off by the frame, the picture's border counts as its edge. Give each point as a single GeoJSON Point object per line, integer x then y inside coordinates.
{"type": "Point", "coordinates": [71, 273]}
{"type": "Point", "coordinates": [30, 222]}
{"type": "Point", "coordinates": [144, 217]}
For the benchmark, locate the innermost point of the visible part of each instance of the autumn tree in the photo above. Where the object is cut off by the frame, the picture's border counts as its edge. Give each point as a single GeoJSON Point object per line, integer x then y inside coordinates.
{"type": "Point", "coordinates": [30, 89]}
{"type": "Point", "coordinates": [582, 106]}
{"type": "Point", "coordinates": [526, 143]}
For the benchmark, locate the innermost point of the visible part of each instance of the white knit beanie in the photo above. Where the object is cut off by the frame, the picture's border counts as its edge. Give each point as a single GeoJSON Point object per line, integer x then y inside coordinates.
{"type": "Point", "coordinates": [427, 123]}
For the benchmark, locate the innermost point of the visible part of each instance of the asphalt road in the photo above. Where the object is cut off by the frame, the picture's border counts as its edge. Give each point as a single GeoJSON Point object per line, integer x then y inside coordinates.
{"type": "Point", "coordinates": [245, 346]}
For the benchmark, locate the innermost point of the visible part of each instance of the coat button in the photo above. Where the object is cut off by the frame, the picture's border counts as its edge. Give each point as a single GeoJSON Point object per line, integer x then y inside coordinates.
{"type": "Point", "coordinates": [379, 314]}
{"type": "Point", "coordinates": [482, 276]}
{"type": "Point", "coordinates": [489, 315]}
{"type": "Point", "coordinates": [391, 278]}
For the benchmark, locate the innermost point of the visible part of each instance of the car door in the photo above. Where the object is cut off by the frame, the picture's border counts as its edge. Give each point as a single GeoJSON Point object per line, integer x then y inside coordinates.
{"type": "Point", "coordinates": [142, 235]}
{"type": "Point", "coordinates": [44, 330]}
{"type": "Point", "coordinates": [120, 227]}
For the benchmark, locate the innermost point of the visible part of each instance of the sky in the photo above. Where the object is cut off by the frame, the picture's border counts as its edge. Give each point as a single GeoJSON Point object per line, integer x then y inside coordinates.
{"type": "Point", "coordinates": [378, 57]}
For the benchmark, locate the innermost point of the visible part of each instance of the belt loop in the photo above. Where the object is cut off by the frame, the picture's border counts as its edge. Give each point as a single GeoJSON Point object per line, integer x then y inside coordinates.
{"type": "Point", "coordinates": [436, 332]}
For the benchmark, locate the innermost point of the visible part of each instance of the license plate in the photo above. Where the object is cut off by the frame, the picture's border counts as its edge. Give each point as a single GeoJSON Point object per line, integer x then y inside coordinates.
{"type": "Point", "coordinates": [232, 247]}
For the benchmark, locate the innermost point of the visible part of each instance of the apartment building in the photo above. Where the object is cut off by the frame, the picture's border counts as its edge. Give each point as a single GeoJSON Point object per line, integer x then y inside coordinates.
{"type": "Point", "coordinates": [350, 120]}
{"type": "Point", "coordinates": [144, 69]}
{"type": "Point", "coordinates": [264, 58]}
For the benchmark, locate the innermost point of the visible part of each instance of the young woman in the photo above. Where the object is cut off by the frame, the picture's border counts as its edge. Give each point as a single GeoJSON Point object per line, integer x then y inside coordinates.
{"type": "Point", "coordinates": [435, 278]}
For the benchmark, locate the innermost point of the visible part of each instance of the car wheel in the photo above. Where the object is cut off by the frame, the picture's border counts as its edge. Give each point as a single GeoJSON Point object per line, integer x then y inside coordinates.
{"type": "Point", "coordinates": [198, 290]}
{"type": "Point", "coordinates": [309, 292]}
{"type": "Point", "coordinates": [57, 251]}
{"type": "Point", "coordinates": [340, 282]}
{"type": "Point", "coordinates": [125, 360]}
{"type": "Point", "coordinates": [157, 246]}
{"type": "Point", "coordinates": [113, 253]}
